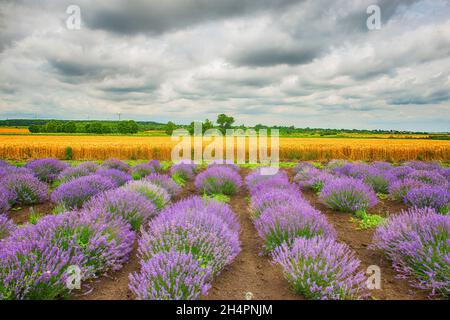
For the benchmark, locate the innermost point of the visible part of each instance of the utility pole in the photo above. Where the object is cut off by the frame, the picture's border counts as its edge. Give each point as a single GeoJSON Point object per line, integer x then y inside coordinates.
{"type": "Point", "coordinates": [119, 114]}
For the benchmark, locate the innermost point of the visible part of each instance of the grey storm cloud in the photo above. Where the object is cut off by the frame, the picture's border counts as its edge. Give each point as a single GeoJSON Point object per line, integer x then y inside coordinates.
{"type": "Point", "coordinates": [294, 62]}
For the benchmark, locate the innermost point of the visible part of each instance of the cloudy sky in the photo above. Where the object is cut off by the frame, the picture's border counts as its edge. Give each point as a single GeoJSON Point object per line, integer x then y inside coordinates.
{"type": "Point", "coordinates": [293, 62]}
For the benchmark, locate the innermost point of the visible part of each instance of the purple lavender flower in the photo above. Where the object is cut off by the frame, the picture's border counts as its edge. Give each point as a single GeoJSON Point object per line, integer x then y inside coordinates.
{"type": "Point", "coordinates": [73, 194]}
{"type": "Point", "coordinates": [401, 172]}
{"type": "Point", "coordinates": [313, 179]}
{"type": "Point", "coordinates": [166, 182]}
{"type": "Point", "coordinates": [321, 268]}
{"type": "Point", "coordinates": [25, 189]}
{"type": "Point", "coordinates": [171, 275]}
{"type": "Point", "coordinates": [191, 230]}
{"type": "Point", "coordinates": [155, 164]}
{"type": "Point", "coordinates": [82, 170]}
{"type": "Point", "coordinates": [429, 196]}
{"type": "Point", "coordinates": [285, 222]}
{"type": "Point", "coordinates": [6, 226]}
{"type": "Point", "coordinates": [116, 164]}
{"type": "Point", "coordinates": [399, 188]}
{"type": "Point", "coordinates": [184, 171]}
{"type": "Point", "coordinates": [303, 166]}
{"type": "Point", "coordinates": [337, 163]}
{"type": "Point", "coordinates": [130, 205]}
{"type": "Point", "coordinates": [417, 242]}
{"type": "Point", "coordinates": [47, 169]}
{"type": "Point", "coordinates": [142, 170]}
{"type": "Point", "coordinates": [255, 180]}
{"type": "Point", "coordinates": [348, 195]}
{"type": "Point", "coordinates": [119, 177]}
{"type": "Point", "coordinates": [379, 180]}
{"type": "Point", "coordinates": [273, 197]}
{"type": "Point", "coordinates": [422, 165]}
{"type": "Point", "coordinates": [156, 194]}
{"type": "Point", "coordinates": [3, 163]}
{"type": "Point", "coordinates": [34, 259]}
{"type": "Point", "coordinates": [5, 200]}
{"type": "Point", "coordinates": [7, 170]}
{"type": "Point", "coordinates": [382, 165]}
{"type": "Point", "coordinates": [225, 163]}
{"type": "Point", "coordinates": [353, 170]}
{"type": "Point", "coordinates": [429, 177]}
{"type": "Point", "coordinates": [445, 172]}
{"type": "Point", "coordinates": [218, 180]}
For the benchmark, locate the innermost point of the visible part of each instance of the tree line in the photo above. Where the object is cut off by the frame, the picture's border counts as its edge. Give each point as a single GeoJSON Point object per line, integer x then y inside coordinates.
{"type": "Point", "coordinates": [97, 127]}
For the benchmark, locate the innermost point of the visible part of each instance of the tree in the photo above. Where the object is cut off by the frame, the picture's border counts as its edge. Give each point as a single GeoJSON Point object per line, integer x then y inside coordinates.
{"type": "Point", "coordinates": [125, 127]}
{"type": "Point", "coordinates": [224, 122]}
{"type": "Point", "coordinates": [69, 127]}
{"type": "Point", "coordinates": [170, 128]}
{"type": "Point", "coordinates": [34, 128]}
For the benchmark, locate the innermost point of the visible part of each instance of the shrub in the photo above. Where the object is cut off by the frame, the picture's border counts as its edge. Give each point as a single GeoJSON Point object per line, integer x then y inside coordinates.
{"type": "Point", "coordinates": [166, 182]}
{"type": "Point", "coordinates": [5, 200]}
{"type": "Point", "coordinates": [422, 165]}
{"type": "Point", "coordinates": [73, 194]}
{"type": "Point", "coordinates": [155, 164]}
{"type": "Point", "coordinates": [47, 169]}
{"type": "Point", "coordinates": [170, 275]}
{"type": "Point", "coordinates": [321, 268]}
{"type": "Point", "coordinates": [25, 189]}
{"type": "Point", "coordinates": [6, 226]}
{"type": "Point", "coordinates": [285, 222]}
{"type": "Point", "coordinates": [197, 231]}
{"type": "Point", "coordinates": [348, 195]}
{"type": "Point", "coordinates": [303, 166]}
{"type": "Point", "coordinates": [417, 243]}
{"type": "Point", "coordinates": [184, 171]}
{"type": "Point", "coordinates": [130, 205]}
{"type": "Point", "coordinates": [159, 196]}
{"type": "Point", "coordinates": [82, 170]}
{"type": "Point", "coordinates": [401, 172]}
{"type": "Point", "coordinates": [256, 182]}
{"type": "Point", "coordinates": [352, 170]}
{"type": "Point", "coordinates": [34, 260]}
{"type": "Point", "coordinates": [218, 180]}
{"type": "Point", "coordinates": [116, 164]}
{"type": "Point", "coordinates": [273, 197]}
{"type": "Point", "coordinates": [379, 180]}
{"type": "Point", "coordinates": [119, 177]}
{"type": "Point", "coordinates": [429, 177]}
{"type": "Point", "coordinates": [312, 179]}
{"type": "Point", "coordinates": [142, 170]}
{"type": "Point", "coordinates": [399, 188]}
{"type": "Point", "coordinates": [428, 196]}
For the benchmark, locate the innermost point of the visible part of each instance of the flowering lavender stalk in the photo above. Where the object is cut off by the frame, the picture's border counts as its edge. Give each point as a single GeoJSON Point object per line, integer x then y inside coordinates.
{"type": "Point", "coordinates": [142, 170]}
{"type": "Point", "coordinates": [73, 194]}
{"type": "Point", "coordinates": [119, 177]}
{"type": "Point", "coordinates": [184, 171]}
{"type": "Point", "coordinates": [303, 166]}
{"type": "Point", "coordinates": [159, 196]}
{"type": "Point", "coordinates": [285, 222]}
{"type": "Point", "coordinates": [313, 179]}
{"type": "Point", "coordinates": [379, 179]}
{"type": "Point", "coordinates": [130, 205]}
{"type": "Point", "coordinates": [432, 178]}
{"type": "Point", "coordinates": [155, 164]}
{"type": "Point", "coordinates": [422, 165]}
{"type": "Point", "coordinates": [6, 226]}
{"type": "Point", "coordinates": [401, 172]}
{"type": "Point", "coordinates": [321, 268]}
{"type": "Point", "coordinates": [382, 165]}
{"type": "Point", "coordinates": [417, 242]}
{"type": "Point", "coordinates": [348, 195]}
{"type": "Point", "coordinates": [226, 163]}
{"type": "Point", "coordinates": [256, 177]}
{"type": "Point", "coordinates": [166, 182]}
{"type": "Point", "coordinates": [82, 170]}
{"type": "Point", "coordinates": [218, 180]}
{"type": "Point", "coordinates": [35, 258]}
{"type": "Point", "coordinates": [353, 170]}
{"type": "Point", "coordinates": [25, 189]}
{"type": "Point", "coordinates": [273, 197]}
{"type": "Point", "coordinates": [5, 200]}
{"type": "Point", "coordinates": [47, 169]}
{"type": "Point", "coordinates": [171, 275]}
{"type": "Point", "coordinates": [116, 164]}
{"type": "Point", "coordinates": [400, 188]}
{"type": "Point", "coordinates": [7, 170]}
{"type": "Point", "coordinates": [429, 196]}
{"type": "Point", "coordinates": [199, 232]}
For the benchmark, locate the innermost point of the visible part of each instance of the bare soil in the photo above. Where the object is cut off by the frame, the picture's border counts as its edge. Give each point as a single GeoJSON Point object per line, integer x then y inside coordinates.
{"type": "Point", "coordinates": [21, 214]}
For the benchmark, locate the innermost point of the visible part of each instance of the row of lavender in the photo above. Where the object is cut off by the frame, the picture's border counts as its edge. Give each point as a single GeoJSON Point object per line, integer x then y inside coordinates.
{"type": "Point", "coordinates": [302, 241]}
{"type": "Point", "coordinates": [416, 241]}
{"type": "Point", "coordinates": [94, 231]}
{"type": "Point", "coordinates": [190, 242]}
{"type": "Point", "coordinates": [351, 187]}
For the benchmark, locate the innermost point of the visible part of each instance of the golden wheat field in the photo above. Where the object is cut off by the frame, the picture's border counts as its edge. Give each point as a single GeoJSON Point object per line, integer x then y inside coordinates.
{"type": "Point", "coordinates": [13, 130]}
{"type": "Point", "coordinates": [16, 147]}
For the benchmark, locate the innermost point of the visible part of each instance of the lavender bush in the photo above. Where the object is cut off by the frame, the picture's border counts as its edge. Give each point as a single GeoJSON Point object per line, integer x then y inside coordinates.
{"type": "Point", "coordinates": [184, 171]}
{"type": "Point", "coordinates": [25, 189]}
{"type": "Point", "coordinates": [166, 182]}
{"type": "Point", "coordinates": [401, 172]}
{"type": "Point", "coordinates": [218, 180]}
{"type": "Point", "coordinates": [379, 180]}
{"type": "Point", "coordinates": [285, 222]}
{"type": "Point", "coordinates": [313, 179]}
{"type": "Point", "coordinates": [5, 200]}
{"type": "Point", "coordinates": [130, 205]}
{"type": "Point", "coordinates": [35, 258]}
{"type": "Point", "coordinates": [47, 169]}
{"type": "Point", "coordinates": [171, 275]}
{"type": "Point", "coordinates": [82, 170]}
{"type": "Point", "coordinates": [422, 165]}
{"type": "Point", "coordinates": [348, 195]}
{"type": "Point", "coordinates": [6, 226]}
{"type": "Point", "coordinates": [73, 194]}
{"type": "Point", "coordinates": [158, 195]}
{"type": "Point", "coordinates": [142, 170]}
{"type": "Point", "coordinates": [429, 196]}
{"type": "Point", "coordinates": [321, 268]}
{"type": "Point", "coordinates": [417, 242]}
{"type": "Point", "coordinates": [428, 177]}
{"type": "Point", "coordinates": [119, 177]}
{"type": "Point", "coordinates": [116, 164]}
{"type": "Point", "coordinates": [273, 197]}
{"type": "Point", "coordinates": [400, 188]}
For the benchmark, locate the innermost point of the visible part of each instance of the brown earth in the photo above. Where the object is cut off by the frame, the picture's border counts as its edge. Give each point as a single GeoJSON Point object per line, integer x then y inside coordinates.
{"type": "Point", "coordinates": [21, 214]}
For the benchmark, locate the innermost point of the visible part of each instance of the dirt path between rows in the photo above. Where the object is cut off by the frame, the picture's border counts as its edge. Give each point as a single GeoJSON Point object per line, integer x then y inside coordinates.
{"type": "Point", "coordinates": [392, 288]}
{"type": "Point", "coordinates": [250, 272]}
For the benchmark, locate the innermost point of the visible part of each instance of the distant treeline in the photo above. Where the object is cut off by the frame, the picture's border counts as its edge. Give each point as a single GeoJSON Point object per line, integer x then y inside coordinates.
{"type": "Point", "coordinates": [97, 127]}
